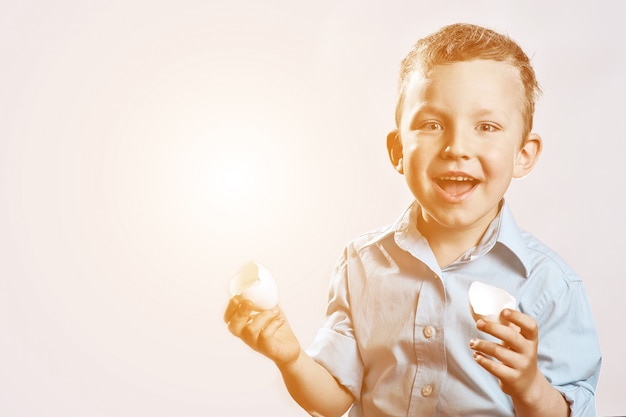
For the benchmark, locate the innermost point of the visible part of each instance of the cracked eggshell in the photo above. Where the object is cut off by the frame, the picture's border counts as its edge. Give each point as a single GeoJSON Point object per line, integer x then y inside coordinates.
{"type": "Point", "coordinates": [255, 283]}
{"type": "Point", "coordinates": [487, 301]}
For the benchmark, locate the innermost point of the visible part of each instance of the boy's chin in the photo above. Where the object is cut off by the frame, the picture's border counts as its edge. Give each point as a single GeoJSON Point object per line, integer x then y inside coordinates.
{"type": "Point", "coordinates": [457, 218]}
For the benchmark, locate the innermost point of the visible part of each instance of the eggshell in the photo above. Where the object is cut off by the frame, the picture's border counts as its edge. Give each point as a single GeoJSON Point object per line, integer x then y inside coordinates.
{"type": "Point", "coordinates": [255, 283]}
{"type": "Point", "coordinates": [487, 301]}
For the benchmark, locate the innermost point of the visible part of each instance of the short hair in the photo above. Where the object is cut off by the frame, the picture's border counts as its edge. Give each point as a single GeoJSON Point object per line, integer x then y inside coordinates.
{"type": "Point", "coordinates": [466, 42]}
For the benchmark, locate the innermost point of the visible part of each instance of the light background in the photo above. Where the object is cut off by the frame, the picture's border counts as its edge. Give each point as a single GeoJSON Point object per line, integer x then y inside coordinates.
{"type": "Point", "coordinates": [149, 148]}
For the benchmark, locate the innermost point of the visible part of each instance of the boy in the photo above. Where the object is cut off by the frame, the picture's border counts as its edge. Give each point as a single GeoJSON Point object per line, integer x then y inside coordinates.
{"type": "Point", "coordinates": [399, 337]}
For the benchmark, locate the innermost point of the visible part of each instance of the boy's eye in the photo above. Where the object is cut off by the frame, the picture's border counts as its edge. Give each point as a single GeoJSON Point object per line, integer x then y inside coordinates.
{"type": "Point", "coordinates": [487, 127]}
{"type": "Point", "coordinates": [430, 126]}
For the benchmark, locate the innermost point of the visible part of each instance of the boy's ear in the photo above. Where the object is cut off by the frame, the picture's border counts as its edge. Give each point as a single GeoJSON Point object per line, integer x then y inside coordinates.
{"type": "Point", "coordinates": [394, 149]}
{"type": "Point", "coordinates": [527, 156]}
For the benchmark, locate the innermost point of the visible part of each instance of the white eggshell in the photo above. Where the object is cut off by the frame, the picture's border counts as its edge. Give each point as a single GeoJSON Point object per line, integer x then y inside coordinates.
{"type": "Point", "coordinates": [255, 283]}
{"type": "Point", "coordinates": [487, 301]}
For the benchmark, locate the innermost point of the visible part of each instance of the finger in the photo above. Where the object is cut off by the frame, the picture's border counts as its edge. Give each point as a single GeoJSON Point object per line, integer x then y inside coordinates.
{"type": "Point", "coordinates": [231, 308]}
{"type": "Point", "coordinates": [497, 369]}
{"type": "Point", "coordinates": [495, 350]}
{"type": "Point", "coordinates": [497, 329]}
{"type": "Point", "coordinates": [240, 318]}
{"type": "Point", "coordinates": [253, 328]}
{"type": "Point", "coordinates": [272, 327]}
{"type": "Point", "coordinates": [528, 325]}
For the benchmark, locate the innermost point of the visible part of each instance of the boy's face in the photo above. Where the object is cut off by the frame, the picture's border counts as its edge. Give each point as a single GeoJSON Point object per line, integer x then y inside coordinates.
{"type": "Point", "coordinates": [460, 141]}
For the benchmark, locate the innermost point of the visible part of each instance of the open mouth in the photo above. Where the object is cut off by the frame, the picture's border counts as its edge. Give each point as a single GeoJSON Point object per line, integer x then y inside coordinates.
{"type": "Point", "coordinates": [456, 185]}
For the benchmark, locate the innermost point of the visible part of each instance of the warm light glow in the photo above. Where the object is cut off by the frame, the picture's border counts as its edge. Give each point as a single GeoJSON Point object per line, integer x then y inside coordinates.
{"type": "Point", "coordinates": [234, 181]}
{"type": "Point", "coordinates": [243, 172]}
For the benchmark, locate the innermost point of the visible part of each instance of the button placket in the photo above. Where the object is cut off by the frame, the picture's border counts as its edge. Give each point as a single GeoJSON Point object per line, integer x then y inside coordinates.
{"type": "Point", "coordinates": [429, 347]}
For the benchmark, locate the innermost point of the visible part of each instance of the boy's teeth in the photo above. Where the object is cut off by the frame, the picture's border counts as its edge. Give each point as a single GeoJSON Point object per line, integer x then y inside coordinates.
{"type": "Point", "coordinates": [456, 178]}
{"type": "Point", "coordinates": [456, 185]}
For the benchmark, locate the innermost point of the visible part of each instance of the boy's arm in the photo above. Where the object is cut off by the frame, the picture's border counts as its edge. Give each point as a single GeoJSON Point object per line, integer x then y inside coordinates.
{"type": "Point", "coordinates": [314, 388]}
{"type": "Point", "coordinates": [309, 383]}
{"type": "Point", "coordinates": [516, 367]}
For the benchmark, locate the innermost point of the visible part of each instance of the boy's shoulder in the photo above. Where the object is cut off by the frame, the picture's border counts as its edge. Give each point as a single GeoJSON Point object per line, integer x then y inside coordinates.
{"type": "Point", "coordinates": [542, 254]}
{"type": "Point", "coordinates": [534, 254]}
{"type": "Point", "coordinates": [386, 231]}
{"type": "Point", "coordinates": [372, 236]}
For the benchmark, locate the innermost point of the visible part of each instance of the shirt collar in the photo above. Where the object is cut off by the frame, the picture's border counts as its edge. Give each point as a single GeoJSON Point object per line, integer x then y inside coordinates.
{"type": "Point", "coordinates": [502, 230]}
{"type": "Point", "coordinates": [409, 238]}
{"type": "Point", "coordinates": [511, 236]}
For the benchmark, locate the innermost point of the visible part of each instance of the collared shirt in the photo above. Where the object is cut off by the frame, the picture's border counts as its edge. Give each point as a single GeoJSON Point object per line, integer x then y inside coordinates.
{"type": "Point", "coordinates": [398, 326]}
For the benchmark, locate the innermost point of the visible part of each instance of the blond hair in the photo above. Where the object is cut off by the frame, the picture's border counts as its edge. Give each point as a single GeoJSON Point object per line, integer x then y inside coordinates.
{"type": "Point", "coordinates": [466, 42]}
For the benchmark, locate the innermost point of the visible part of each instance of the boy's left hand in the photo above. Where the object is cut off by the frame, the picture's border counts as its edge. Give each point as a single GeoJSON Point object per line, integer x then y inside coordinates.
{"type": "Point", "coordinates": [514, 360]}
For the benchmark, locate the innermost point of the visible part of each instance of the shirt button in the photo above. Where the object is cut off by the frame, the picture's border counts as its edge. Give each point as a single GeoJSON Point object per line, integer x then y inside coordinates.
{"type": "Point", "coordinates": [427, 390]}
{"type": "Point", "coordinates": [429, 332]}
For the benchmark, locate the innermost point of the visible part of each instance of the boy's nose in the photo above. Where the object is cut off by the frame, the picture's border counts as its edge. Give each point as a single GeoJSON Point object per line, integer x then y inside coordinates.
{"type": "Point", "coordinates": [455, 146]}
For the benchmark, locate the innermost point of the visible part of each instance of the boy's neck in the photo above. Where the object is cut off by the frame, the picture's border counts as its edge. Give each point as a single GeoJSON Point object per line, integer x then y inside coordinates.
{"type": "Point", "coordinates": [447, 243]}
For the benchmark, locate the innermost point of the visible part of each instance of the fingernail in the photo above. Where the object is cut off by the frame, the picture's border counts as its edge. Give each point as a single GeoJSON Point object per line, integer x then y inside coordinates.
{"type": "Point", "coordinates": [473, 343]}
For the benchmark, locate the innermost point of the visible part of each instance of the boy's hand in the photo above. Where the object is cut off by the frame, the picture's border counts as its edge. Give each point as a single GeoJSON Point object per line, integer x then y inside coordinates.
{"type": "Point", "coordinates": [514, 360]}
{"type": "Point", "coordinates": [266, 332]}
{"type": "Point", "coordinates": [514, 363]}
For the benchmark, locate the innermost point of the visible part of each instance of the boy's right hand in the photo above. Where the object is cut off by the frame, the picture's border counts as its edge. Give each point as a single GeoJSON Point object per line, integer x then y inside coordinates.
{"type": "Point", "coordinates": [266, 332]}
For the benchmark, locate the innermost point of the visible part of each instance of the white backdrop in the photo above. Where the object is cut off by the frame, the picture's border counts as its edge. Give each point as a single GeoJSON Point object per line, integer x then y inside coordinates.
{"type": "Point", "coordinates": [149, 148]}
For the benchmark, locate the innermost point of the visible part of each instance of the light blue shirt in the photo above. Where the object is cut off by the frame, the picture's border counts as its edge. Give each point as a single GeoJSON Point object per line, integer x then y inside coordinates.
{"type": "Point", "coordinates": [398, 326]}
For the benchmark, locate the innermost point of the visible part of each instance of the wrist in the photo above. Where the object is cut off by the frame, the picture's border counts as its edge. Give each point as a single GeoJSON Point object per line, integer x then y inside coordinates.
{"type": "Point", "coordinates": [541, 398]}
{"type": "Point", "coordinates": [536, 390]}
{"type": "Point", "coordinates": [290, 364]}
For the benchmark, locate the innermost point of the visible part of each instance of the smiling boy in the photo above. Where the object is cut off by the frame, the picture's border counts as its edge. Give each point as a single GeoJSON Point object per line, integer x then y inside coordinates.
{"type": "Point", "coordinates": [460, 140]}
{"type": "Point", "coordinates": [399, 338]}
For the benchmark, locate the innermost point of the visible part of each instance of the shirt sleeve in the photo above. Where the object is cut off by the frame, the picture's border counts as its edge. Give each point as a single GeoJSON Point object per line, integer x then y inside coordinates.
{"type": "Point", "coordinates": [334, 346]}
{"type": "Point", "coordinates": [569, 352]}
